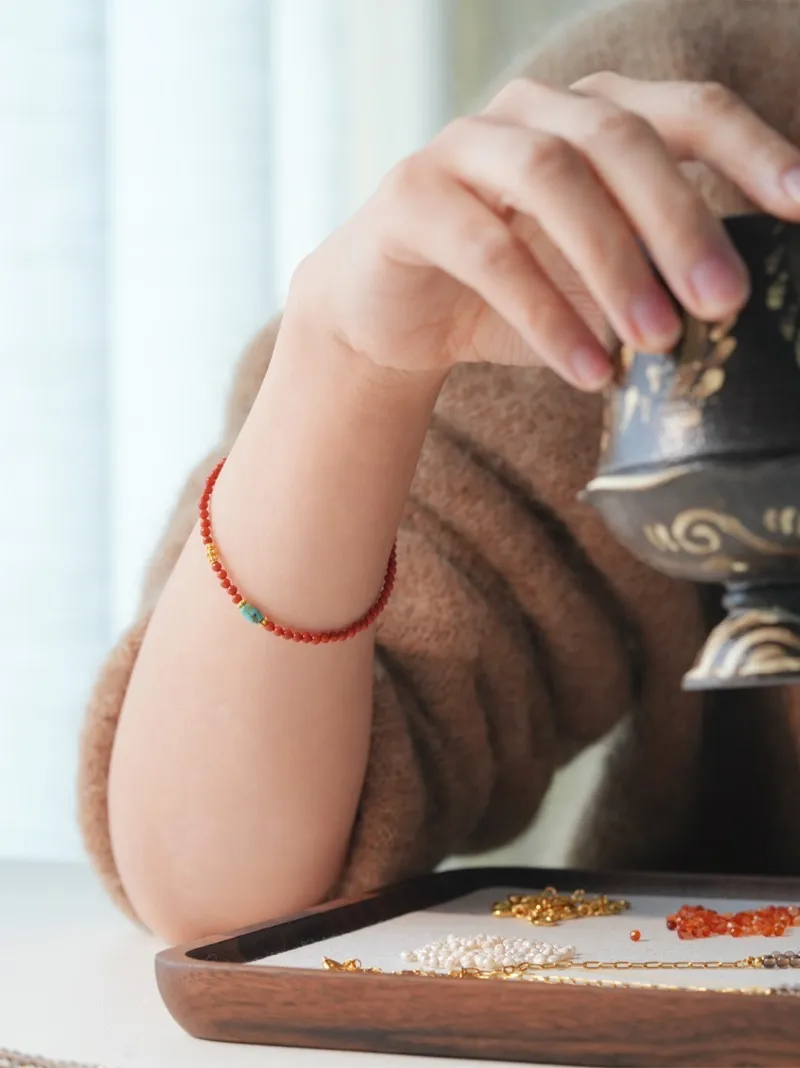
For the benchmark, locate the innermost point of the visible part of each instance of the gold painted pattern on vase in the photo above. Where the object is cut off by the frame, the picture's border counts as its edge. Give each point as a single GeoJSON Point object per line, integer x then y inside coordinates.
{"type": "Point", "coordinates": [782, 267]}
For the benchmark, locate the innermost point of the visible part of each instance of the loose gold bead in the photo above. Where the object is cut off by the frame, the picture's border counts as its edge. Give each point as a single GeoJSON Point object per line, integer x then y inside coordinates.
{"type": "Point", "coordinates": [549, 907]}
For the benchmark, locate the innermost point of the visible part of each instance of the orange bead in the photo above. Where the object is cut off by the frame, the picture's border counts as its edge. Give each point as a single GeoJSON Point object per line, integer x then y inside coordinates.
{"type": "Point", "coordinates": [635, 936]}
{"type": "Point", "coordinates": [696, 921]}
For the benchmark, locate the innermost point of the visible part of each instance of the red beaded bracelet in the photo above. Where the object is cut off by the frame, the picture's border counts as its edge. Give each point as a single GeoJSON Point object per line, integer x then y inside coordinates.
{"type": "Point", "coordinates": [251, 613]}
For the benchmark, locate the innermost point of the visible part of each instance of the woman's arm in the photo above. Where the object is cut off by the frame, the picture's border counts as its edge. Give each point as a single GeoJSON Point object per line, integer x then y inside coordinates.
{"type": "Point", "coordinates": [239, 758]}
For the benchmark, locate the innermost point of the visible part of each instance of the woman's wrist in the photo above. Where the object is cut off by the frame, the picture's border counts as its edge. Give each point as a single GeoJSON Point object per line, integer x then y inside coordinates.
{"type": "Point", "coordinates": [316, 350]}
{"type": "Point", "coordinates": [308, 505]}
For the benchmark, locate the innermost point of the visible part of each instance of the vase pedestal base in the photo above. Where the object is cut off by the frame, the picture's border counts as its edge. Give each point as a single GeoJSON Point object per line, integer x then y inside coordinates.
{"type": "Point", "coordinates": [757, 644]}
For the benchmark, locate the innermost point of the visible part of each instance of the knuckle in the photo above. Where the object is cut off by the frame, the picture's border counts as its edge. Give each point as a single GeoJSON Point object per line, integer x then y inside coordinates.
{"type": "Point", "coordinates": [455, 132]}
{"type": "Point", "coordinates": [491, 249]}
{"type": "Point", "coordinates": [406, 178]}
{"type": "Point", "coordinates": [607, 122]}
{"type": "Point", "coordinates": [546, 153]}
{"type": "Point", "coordinates": [518, 92]}
{"type": "Point", "coordinates": [599, 82]}
{"type": "Point", "coordinates": [713, 98]}
{"type": "Point", "coordinates": [460, 126]}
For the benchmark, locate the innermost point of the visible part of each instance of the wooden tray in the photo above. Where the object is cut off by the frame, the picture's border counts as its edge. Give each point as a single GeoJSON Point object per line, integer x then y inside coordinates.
{"type": "Point", "coordinates": [215, 991]}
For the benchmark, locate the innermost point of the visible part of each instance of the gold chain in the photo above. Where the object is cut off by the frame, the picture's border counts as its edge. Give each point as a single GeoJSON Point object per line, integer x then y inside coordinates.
{"type": "Point", "coordinates": [549, 907]}
{"type": "Point", "coordinates": [526, 972]}
{"type": "Point", "coordinates": [515, 971]}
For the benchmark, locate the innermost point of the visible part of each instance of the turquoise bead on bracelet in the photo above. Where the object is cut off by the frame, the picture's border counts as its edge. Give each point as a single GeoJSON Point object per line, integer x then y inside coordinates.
{"type": "Point", "coordinates": [249, 611]}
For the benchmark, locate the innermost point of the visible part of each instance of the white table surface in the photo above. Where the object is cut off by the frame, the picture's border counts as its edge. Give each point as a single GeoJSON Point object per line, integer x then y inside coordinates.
{"type": "Point", "coordinates": [77, 983]}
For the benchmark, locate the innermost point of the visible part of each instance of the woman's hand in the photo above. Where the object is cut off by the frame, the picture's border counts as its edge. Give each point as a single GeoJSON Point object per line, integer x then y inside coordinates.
{"type": "Point", "coordinates": [517, 233]}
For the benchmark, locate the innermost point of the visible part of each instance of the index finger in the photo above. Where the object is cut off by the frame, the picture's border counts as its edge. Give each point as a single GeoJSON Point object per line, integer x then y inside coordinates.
{"type": "Point", "coordinates": [706, 121]}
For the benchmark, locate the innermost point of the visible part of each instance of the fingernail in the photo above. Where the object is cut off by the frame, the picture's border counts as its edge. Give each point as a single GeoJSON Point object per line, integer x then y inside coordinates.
{"type": "Point", "coordinates": [591, 368]}
{"type": "Point", "coordinates": [655, 318]}
{"type": "Point", "coordinates": [719, 282]}
{"type": "Point", "coordinates": [791, 183]}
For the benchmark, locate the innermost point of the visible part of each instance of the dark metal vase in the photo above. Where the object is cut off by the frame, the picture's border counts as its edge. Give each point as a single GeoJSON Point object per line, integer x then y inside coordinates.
{"type": "Point", "coordinates": [699, 473]}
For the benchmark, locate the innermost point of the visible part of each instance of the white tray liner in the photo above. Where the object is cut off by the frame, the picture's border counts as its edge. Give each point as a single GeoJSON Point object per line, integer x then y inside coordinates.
{"type": "Point", "coordinates": [604, 938]}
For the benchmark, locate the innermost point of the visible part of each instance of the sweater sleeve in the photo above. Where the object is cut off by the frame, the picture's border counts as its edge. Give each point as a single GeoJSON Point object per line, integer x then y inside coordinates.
{"type": "Point", "coordinates": [510, 643]}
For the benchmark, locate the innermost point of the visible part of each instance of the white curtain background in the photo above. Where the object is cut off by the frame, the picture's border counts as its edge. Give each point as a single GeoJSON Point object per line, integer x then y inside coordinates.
{"type": "Point", "coordinates": [164, 164]}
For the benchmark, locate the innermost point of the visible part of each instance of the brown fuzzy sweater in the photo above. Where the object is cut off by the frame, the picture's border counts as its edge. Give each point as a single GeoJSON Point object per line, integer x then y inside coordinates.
{"type": "Point", "coordinates": [520, 632]}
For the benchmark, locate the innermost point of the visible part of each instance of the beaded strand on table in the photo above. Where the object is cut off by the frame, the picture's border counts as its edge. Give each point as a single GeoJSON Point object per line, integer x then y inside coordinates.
{"type": "Point", "coordinates": [697, 921]}
{"type": "Point", "coordinates": [11, 1059]}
